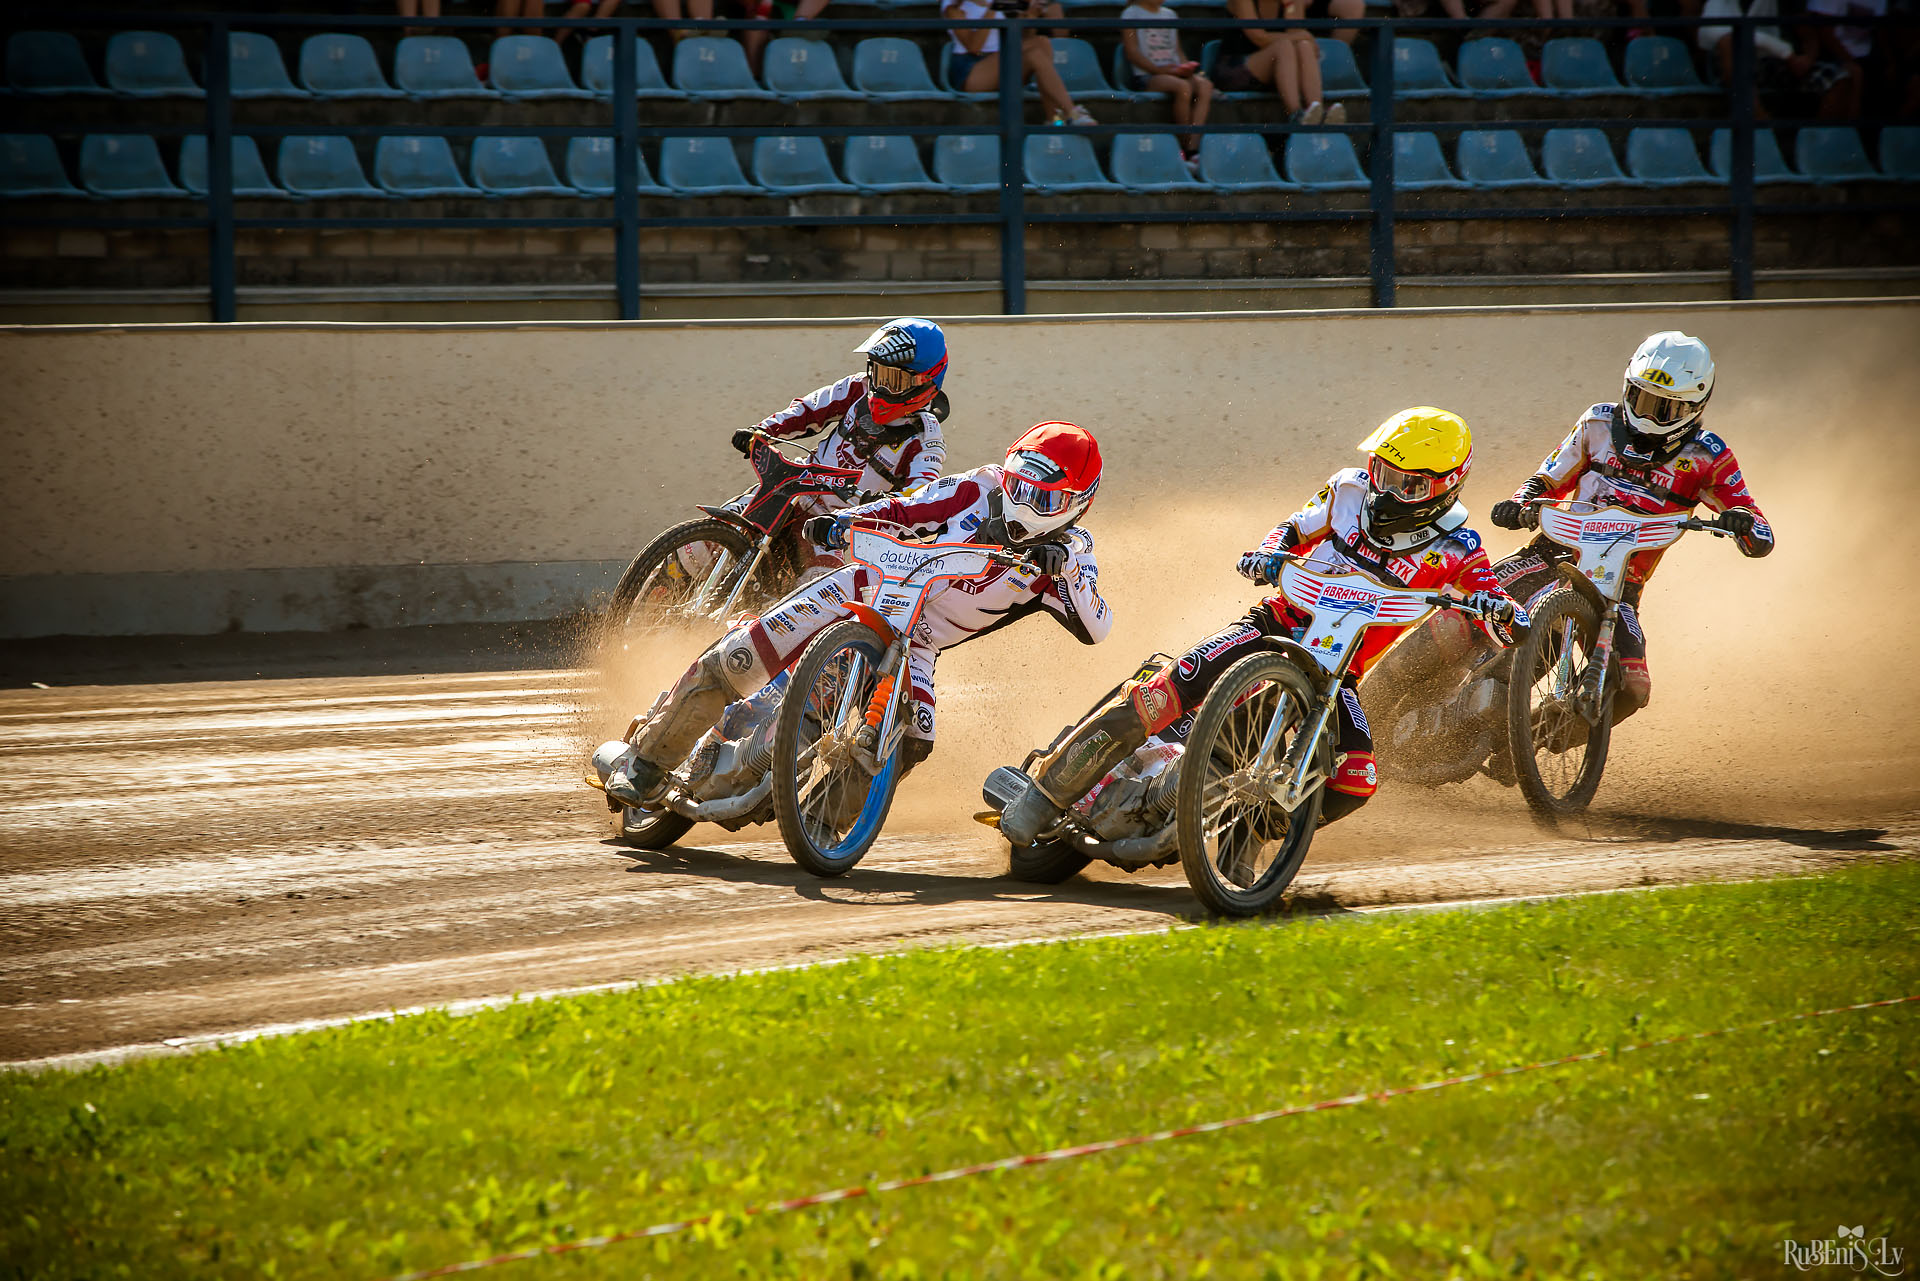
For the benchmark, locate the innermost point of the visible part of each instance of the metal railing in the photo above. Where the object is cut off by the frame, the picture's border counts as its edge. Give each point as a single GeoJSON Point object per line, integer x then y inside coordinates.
{"type": "Point", "coordinates": [1015, 213]}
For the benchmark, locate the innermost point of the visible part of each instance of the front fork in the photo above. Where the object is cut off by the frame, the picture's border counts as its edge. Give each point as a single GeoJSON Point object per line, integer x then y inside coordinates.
{"type": "Point", "coordinates": [739, 584]}
{"type": "Point", "coordinates": [1298, 767]}
{"type": "Point", "coordinates": [1593, 681]}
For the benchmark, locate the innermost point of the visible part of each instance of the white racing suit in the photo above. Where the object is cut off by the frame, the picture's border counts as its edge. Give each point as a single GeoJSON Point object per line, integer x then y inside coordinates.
{"type": "Point", "coordinates": [962, 508]}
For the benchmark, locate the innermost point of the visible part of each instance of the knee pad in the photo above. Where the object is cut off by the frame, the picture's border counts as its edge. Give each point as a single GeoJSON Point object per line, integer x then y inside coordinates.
{"type": "Point", "coordinates": [1636, 682]}
{"type": "Point", "coordinates": [691, 707]}
{"type": "Point", "coordinates": [1354, 774]}
{"type": "Point", "coordinates": [1156, 701]}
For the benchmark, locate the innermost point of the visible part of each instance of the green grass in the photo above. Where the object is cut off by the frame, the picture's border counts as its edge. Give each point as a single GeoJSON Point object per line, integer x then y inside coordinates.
{"type": "Point", "coordinates": [370, 1149]}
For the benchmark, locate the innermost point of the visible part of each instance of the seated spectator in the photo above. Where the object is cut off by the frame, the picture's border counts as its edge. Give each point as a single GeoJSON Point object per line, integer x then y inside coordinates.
{"type": "Point", "coordinates": [580, 9]}
{"type": "Point", "coordinates": [1786, 81]}
{"type": "Point", "coordinates": [975, 62]}
{"type": "Point", "coordinates": [1851, 48]}
{"type": "Point", "coordinates": [1288, 59]}
{"type": "Point", "coordinates": [1455, 8]}
{"type": "Point", "coordinates": [1157, 64]}
{"type": "Point", "coordinates": [417, 9]}
{"type": "Point", "coordinates": [754, 42]}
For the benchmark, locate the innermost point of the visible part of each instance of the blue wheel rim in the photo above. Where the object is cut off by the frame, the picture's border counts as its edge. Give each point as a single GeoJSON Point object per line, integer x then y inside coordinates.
{"type": "Point", "coordinates": [872, 814]}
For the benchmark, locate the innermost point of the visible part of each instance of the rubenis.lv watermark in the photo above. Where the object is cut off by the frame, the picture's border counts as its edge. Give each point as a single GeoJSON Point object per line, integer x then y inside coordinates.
{"type": "Point", "coordinates": [1848, 1248]}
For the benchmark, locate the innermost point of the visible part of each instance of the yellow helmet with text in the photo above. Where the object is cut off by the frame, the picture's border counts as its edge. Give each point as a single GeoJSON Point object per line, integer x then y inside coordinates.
{"type": "Point", "coordinates": [1417, 461]}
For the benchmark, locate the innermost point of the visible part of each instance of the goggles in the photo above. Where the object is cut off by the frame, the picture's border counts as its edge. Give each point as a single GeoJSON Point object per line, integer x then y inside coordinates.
{"type": "Point", "coordinates": [893, 382]}
{"type": "Point", "coordinates": [1410, 487]}
{"type": "Point", "coordinates": [1036, 483]}
{"type": "Point", "coordinates": [1650, 406]}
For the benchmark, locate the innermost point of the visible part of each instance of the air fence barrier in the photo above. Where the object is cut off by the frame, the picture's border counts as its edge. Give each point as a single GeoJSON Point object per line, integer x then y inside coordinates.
{"type": "Point", "coordinates": [1015, 213]}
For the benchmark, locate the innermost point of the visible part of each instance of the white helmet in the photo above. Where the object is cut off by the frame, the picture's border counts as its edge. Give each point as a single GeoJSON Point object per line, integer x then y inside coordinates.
{"type": "Point", "coordinates": [1668, 382]}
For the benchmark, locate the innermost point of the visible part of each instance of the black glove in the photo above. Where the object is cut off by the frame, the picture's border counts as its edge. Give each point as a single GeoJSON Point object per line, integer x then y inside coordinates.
{"type": "Point", "coordinates": [1508, 514]}
{"type": "Point", "coordinates": [743, 440]}
{"type": "Point", "coordinates": [1737, 522]}
{"type": "Point", "coordinates": [825, 531]}
{"type": "Point", "coordinates": [1047, 558]}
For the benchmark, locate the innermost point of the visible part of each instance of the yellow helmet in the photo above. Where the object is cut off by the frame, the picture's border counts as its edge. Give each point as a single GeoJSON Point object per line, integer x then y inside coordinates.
{"type": "Point", "coordinates": [1417, 461]}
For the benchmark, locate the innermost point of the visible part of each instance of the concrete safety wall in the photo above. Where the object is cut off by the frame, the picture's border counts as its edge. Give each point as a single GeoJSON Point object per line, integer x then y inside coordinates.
{"type": "Point", "coordinates": [189, 478]}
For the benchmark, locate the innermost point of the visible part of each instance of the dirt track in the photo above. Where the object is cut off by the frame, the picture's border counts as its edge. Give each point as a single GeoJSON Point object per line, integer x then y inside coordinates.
{"type": "Point", "coordinates": [279, 849]}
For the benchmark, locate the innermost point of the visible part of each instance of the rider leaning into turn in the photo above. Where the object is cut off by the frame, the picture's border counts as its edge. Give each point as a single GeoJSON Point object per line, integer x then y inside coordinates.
{"type": "Point", "coordinates": [1647, 453]}
{"type": "Point", "coordinates": [885, 422]}
{"type": "Point", "coordinates": [1030, 504]}
{"type": "Point", "coordinates": [1397, 520]}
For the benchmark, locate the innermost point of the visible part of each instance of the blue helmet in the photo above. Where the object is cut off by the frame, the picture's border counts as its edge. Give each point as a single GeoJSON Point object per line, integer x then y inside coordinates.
{"type": "Point", "coordinates": [906, 363]}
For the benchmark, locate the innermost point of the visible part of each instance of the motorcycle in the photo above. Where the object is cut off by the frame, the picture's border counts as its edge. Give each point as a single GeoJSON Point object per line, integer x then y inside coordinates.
{"type": "Point", "coordinates": [1242, 822]}
{"type": "Point", "coordinates": [739, 557]}
{"type": "Point", "coordinates": [1550, 731]}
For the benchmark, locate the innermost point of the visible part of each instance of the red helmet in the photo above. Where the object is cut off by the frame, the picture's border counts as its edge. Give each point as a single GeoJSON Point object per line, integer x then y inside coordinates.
{"type": "Point", "coordinates": [1049, 480]}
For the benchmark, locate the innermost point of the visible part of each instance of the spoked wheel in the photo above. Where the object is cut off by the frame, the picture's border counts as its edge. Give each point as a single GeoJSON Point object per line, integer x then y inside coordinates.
{"type": "Point", "coordinates": [1557, 755]}
{"type": "Point", "coordinates": [830, 808]}
{"type": "Point", "coordinates": [1044, 863]}
{"type": "Point", "coordinates": [647, 829]}
{"type": "Point", "coordinates": [682, 576]}
{"type": "Point", "coordinates": [1239, 848]}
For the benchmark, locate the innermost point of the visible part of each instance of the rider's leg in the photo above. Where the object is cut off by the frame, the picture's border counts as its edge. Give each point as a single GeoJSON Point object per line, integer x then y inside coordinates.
{"type": "Point", "coordinates": [1630, 649]}
{"type": "Point", "coordinates": [918, 745]}
{"type": "Point", "coordinates": [1354, 777]}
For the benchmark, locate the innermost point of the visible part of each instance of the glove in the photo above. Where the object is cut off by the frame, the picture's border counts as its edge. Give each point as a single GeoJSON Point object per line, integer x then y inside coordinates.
{"type": "Point", "coordinates": [1508, 514]}
{"type": "Point", "coordinates": [1261, 567]}
{"type": "Point", "coordinates": [825, 531]}
{"type": "Point", "coordinates": [1489, 605]}
{"type": "Point", "coordinates": [1738, 522]}
{"type": "Point", "coordinates": [1047, 558]}
{"type": "Point", "coordinates": [743, 440]}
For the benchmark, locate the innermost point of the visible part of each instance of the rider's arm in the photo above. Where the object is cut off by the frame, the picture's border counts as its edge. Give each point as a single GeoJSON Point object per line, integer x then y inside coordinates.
{"type": "Point", "coordinates": [927, 511]}
{"type": "Point", "coordinates": [922, 459]}
{"type": "Point", "coordinates": [1475, 575]}
{"type": "Point", "coordinates": [816, 410]}
{"type": "Point", "coordinates": [1726, 490]}
{"type": "Point", "coordinates": [1297, 532]}
{"type": "Point", "coordinates": [1074, 593]}
{"type": "Point", "coordinates": [1562, 467]}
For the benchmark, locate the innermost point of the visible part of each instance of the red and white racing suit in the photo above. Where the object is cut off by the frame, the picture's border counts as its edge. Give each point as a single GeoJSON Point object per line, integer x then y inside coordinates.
{"type": "Point", "coordinates": [1586, 466]}
{"type": "Point", "coordinates": [952, 509]}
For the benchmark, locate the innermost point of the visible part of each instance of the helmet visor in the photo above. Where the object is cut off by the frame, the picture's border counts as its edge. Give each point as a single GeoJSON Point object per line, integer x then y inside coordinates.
{"type": "Point", "coordinates": [891, 382]}
{"type": "Point", "coordinates": [1041, 502]}
{"type": "Point", "coordinates": [1657, 408]}
{"type": "Point", "coordinates": [1407, 486]}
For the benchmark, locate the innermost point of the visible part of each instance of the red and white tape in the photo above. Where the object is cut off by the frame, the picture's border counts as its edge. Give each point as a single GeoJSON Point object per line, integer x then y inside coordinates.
{"type": "Point", "coordinates": [1109, 1145]}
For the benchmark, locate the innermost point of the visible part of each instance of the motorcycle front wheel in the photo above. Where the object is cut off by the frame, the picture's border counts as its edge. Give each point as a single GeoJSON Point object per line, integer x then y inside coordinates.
{"type": "Point", "coordinates": [830, 808]}
{"type": "Point", "coordinates": [681, 576]}
{"type": "Point", "coordinates": [1557, 755]}
{"type": "Point", "coordinates": [1239, 848]}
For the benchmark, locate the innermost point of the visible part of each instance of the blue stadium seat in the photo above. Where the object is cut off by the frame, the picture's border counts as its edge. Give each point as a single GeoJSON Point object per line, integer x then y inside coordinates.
{"type": "Point", "coordinates": [1063, 163]}
{"type": "Point", "coordinates": [1418, 71]}
{"type": "Point", "coordinates": [1339, 73]}
{"type": "Point", "coordinates": [1769, 166]}
{"type": "Point", "coordinates": [531, 67]}
{"type": "Point", "coordinates": [967, 161]}
{"type": "Point", "coordinates": [703, 166]}
{"type": "Point", "coordinates": [885, 164]}
{"type": "Point", "coordinates": [804, 71]}
{"type": "Point", "coordinates": [257, 69]}
{"type": "Point", "coordinates": [338, 65]}
{"type": "Point", "coordinates": [1151, 162]}
{"type": "Point", "coordinates": [30, 166]}
{"type": "Point", "coordinates": [149, 64]}
{"type": "Point", "coordinates": [596, 71]}
{"type": "Point", "coordinates": [946, 77]}
{"type": "Point", "coordinates": [1581, 158]}
{"type": "Point", "coordinates": [428, 67]}
{"type": "Point", "coordinates": [249, 170]}
{"type": "Point", "coordinates": [1900, 152]}
{"type": "Point", "coordinates": [890, 69]}
{"type": "Point", "coordinates": [1665, 158]}
{"type": "Point", "coordinates": [1324, 162]}
{"type": "Point", "coordinates": [590, 168]}
{"type": "Point", "coordinates": [323, 165]}
{"type": "Point", "coordinates": [49, 62]}
{"type": "Point", "coordinates": [1494, 67]}
{"type": "Point", "coordinates": [1577, 67]}
{"type": "Point", "coordinates": [1833, 153]}
{"type": "Point", "coordinates": [1420, 165]}
{"type": "Point", "coordinates": [420, 168]}
{"type": "Point", "coordinates": [1079, 70]}
{"type": "Point", "coordinates": [789, 166]}
{"type": "Point", "coordinates": [1661, 65]}
{"type": "Point", "coordinates": [1239, 162]}
{"type": "Point", "coordinates": [1495, 159]}
{"type": "Point", "coordinates": [1120, 73]}
{"type": "Point", "coordinates": [714, 67]}
{"type": "Point", "coordinates": [515, 166]}
{"type": "Point", "coordinates": [124, 166]}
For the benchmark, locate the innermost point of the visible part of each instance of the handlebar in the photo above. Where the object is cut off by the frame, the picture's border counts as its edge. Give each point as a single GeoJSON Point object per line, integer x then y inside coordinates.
{"type": "Point", "coordinates": [1713, 527]}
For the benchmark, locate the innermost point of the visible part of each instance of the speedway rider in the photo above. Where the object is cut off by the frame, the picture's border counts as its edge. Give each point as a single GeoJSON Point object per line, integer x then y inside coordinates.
{"type": "Point", "coordinates": [1397, 520]}
{"type": "Point", "coordinates": [1030, 504]}
{"type": "Point", "coordinates": [885, 422]}
{"type": "Point", "coordinates": [1647, 453]}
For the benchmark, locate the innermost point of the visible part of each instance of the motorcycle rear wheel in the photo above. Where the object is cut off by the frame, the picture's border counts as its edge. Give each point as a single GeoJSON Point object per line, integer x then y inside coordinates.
{"type": "Point", "coordinates": [824, 831]}
{"type": "Point", "coordinates": [661, 583]}
{"type": "Point", "coordinates": [1239, 851]}
{"type": "Point", "coordinates": [1544, 733]}
{"type": "Point", "coordinates": [647, 830]}
{"type": "Point", "coordinates": [1045, 863]}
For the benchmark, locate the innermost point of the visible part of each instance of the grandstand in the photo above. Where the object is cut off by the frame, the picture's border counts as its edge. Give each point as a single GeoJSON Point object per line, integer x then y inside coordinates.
{"type": "Point", "coordinates": [374, 168]}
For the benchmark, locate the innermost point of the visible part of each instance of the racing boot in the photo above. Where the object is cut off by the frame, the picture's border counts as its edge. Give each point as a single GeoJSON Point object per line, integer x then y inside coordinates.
{"type": "Point", "coordinates": [674, 725]}
{"type": "Point", "coordinates": [1068, 769]}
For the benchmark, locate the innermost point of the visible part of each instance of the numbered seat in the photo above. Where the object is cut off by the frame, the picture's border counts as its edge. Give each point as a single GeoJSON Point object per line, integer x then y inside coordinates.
{"type": "Point", "coordinates": [250, 177]}
{"type": "Point", "coordinates": [1079, 69]}
{"type": "Point", "coordinates": [714, 67]}
{"type": "Point", "coordinates": [1496, 160]}
{"type": "Point", "coordinates": [1833, 153]}
{"type": "Point", "coordinates": [419, 168]}
{"type": "Point", "coordinates": [1151, 162]}
{"type": "Point", "coordinates": [596, 70]}
{"type": "Point", "coordinates": [1420, 165]}
{"type": "Point", "coordinates": [30, 166]}
{"type": "Point", "coordinates": [946, 77]}
{"type": "Point", "coordinates": [1582, 158]}
{"type": "Point", "coordinates": [1659, 65]}
{"type": "Point", "coordinates": [1239, 162]}
{"type": "Point", "coordinates": [1418, 71]}
{"type": "Point", "coordinates": [1495, 67]}
{"type": "Point", "coordinates": [804, 71]}
{"type": "Point", "coordinates": [1900, 152]}
{"type": "Point", "coordinates": [431, 67]}
{"type": "Point", "coordinates": [890, 69]}
{"type": "Point", "coordinates": [1339, 73]}
{"type": "Point", "coordinates": [1324, 162]}
{"type": "Point", "coordinates": [797, 166]}
{"type": "Point", "coordinates": [1062, 163]}
{"type": "Point", "coordinates": [149, 64]}
{"type": "Point", "coordinates": [1665, 158]}
{"type": "Point", "coordinates": [124, 166]}
{"type": "Point", "coordinates": [886, 164]}
{"type": "Point", "coordinates": [703, 167]}
{"type": "Point", "coordinates": [529, 68]}
{"type": "Point", "coordinates": [1577, 67]}
{"type": "Point", "coordinates": [1769, 166]}
{"type": "Point", "coordinates": [49, 62]}
{"type": "Point", "coordinates": [341, 65]}
{"type": "Point", "coordinates": [257, 69]}
{"type": "Point", "coordinates": [323, 165]}
{"type": "Point", "coordinates": [590, 168]}
{"type": "Point", "coordinates": [515, 167]}
{"type": "Point", "coordinates": [967, 162]}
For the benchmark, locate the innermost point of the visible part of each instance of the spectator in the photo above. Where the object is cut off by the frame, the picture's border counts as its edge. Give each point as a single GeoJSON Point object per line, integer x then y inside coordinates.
{"type": "Point", "coordinates": [755, 42]}
{"type": "Point", "coordinates": [417, 9]}
{"type": "Point", "coordinates": [1455, 8]}
{"type": "Point", "coordinates": [975, 62]}
{"type": "Point", "coordinates": [1288, 59]}
{"type": "Point", "coordinates": [580, 9]}
{"type": "Point", "coordinates": [1850, 47]}
{"type": "Point", "coordinates": [1783, 76]}
{"type": "Point", "coordinates": [1157, 64]}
